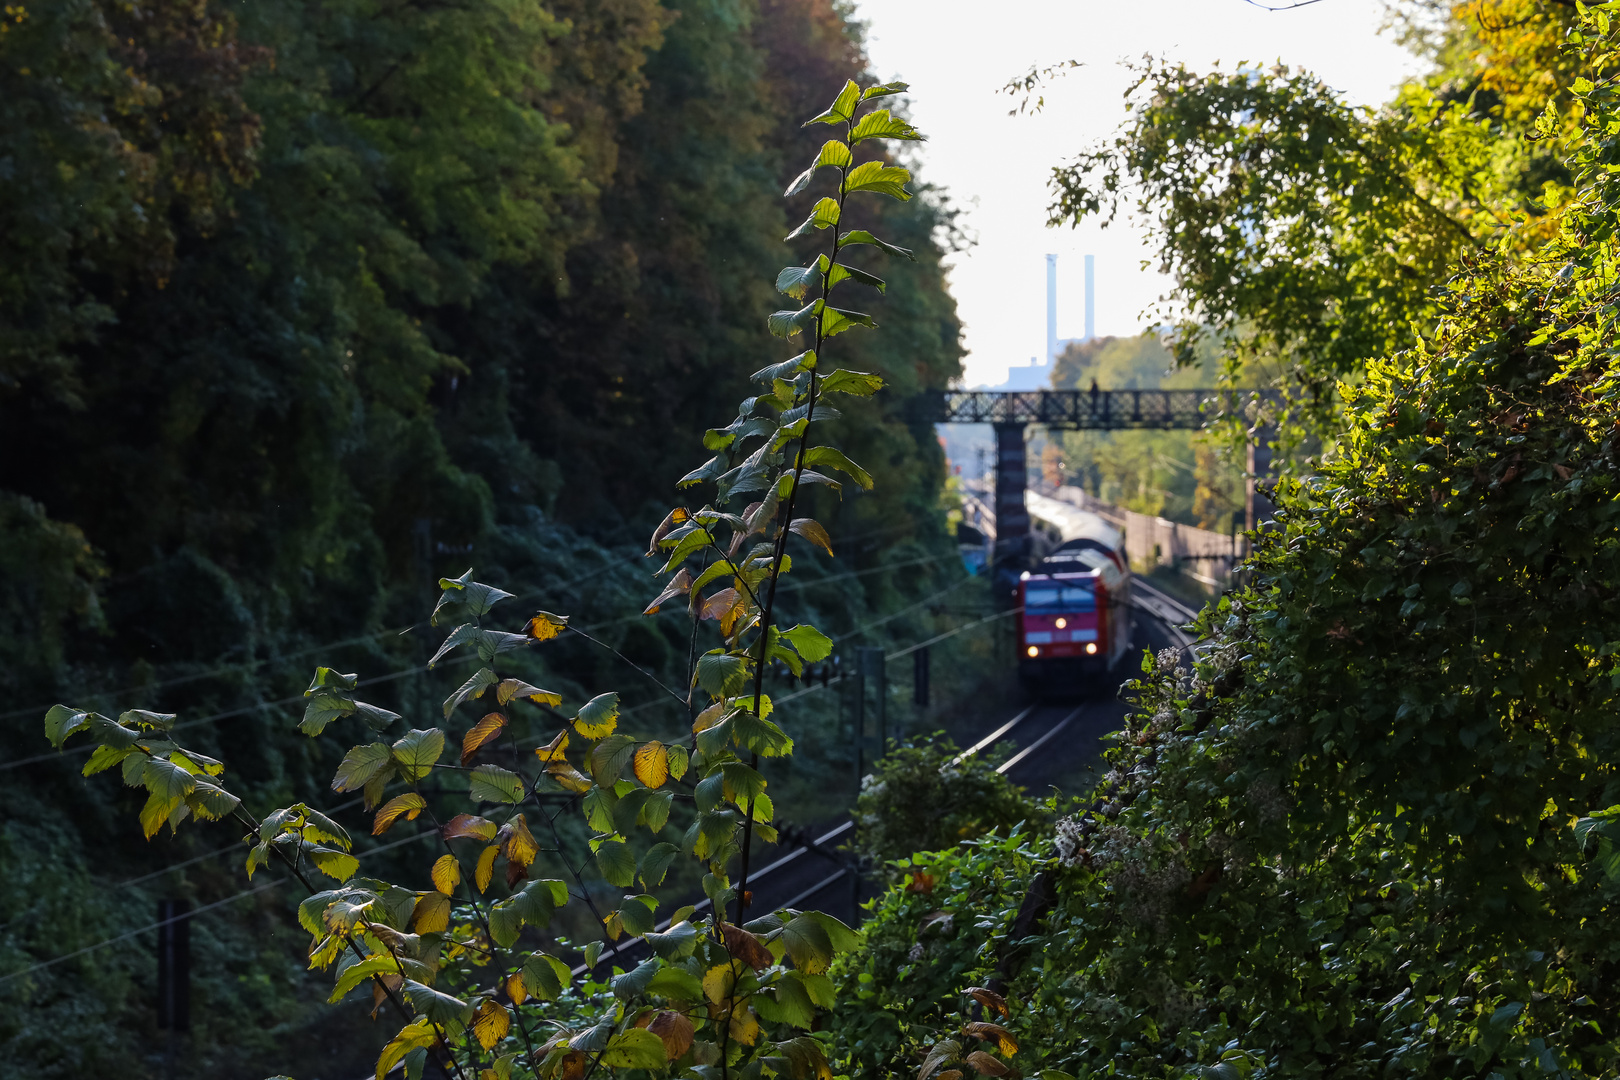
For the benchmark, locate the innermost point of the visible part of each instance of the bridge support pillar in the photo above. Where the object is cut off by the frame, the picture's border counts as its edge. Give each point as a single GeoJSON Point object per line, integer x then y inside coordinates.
{"type": "Point", "coordinates": [1012, 519]}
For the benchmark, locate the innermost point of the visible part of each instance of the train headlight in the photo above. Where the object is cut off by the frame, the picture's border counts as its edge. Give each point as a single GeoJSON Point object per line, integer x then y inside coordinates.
{"type": "Point", "coordinates": [1034, 650]}
{"type": "Point", "coordinates": [1061, 623]}
{"type": "Point", "coordinates": [1091, 648]}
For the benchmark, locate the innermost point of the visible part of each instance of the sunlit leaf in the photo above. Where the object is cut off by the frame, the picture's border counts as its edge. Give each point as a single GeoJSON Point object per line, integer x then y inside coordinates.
{"type": "Point", "coordinates": [469, 826]}
{"type": "Point", "coordinates": [490, 1023]}
{"type": "Point", "coordinates": [409, 804]}
{"type": "Point", "coordinates": [652, 764]}
{"type": "Point", "coordinates": [474, 687]}
{"type": "Point", "coordinates": [485, 868]}
{"type": "Point", "coordinates": [491, 783]}
{"type": "Point", "coordinates": [446, 874]}
{"type": "Point", "coordinates": [878, 124]}
{"type": "Point", "coordinates": [881, 179]}
{"type": "Point", "coordinates": [842, 110]}
{"type": "Point", "coordinates": [860, 236]}
{"type": "Point", "coordinates": [598, 716]}
{"type": "Point", "coordinates": [486, 730]}
{"type": "Point", "coordinates": [509, 690]}
{"type": "Point", "coordinates": [553, 750]}
{"type": "Point", "coordinates": [418, 751]}
{"type": "Point", "coordinates": [545, 626]}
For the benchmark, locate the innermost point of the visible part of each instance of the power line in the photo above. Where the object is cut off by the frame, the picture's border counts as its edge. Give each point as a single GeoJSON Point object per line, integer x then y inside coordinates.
{"type": "Point", "coordinates": [198, 911]}
{"type": "Point", "coordinates": [227, 669]}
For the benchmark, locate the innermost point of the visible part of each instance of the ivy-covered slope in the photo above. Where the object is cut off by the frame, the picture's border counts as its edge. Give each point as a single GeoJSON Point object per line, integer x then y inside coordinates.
{"type": "Point", "coordinates": [1350, 841]}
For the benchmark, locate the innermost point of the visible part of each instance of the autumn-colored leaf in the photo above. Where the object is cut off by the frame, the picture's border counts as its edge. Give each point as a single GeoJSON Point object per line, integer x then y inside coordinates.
{"type": "Point", "coordinates": [985, 1065]}
{"type": "Point", "coordinates": [679, 585]}
{"type": "Point", "coordinates": [676, 1031]}
{"type": "Point", "coordinates": [487, 729]}
{"type": "Point", "coordinates": [515, 988]}
{"type": "Point", "coordinates": [410, 804]}
{"type": "Point", "coordinates": [491, 1023]}
{"type": "Point", "coordinates": [545, 626]}
{"type": "Point", "coordinates": [675, 517]}
{"type": "Point", "coordinates": [988, 998]}
{"type": "Point", "coordinates": [518, 843]}
{"type": "Point", "coordinates": [572, 1066]}
{"type": "Point", "coordinates": [744, 1026]}
{"type": "Point", "coordinates": [994, 1033]}
{"type": "Point", "coordinates": [725, 605]}
{"type": "Point", "coordinates": [447, 874]}
{"type": "Point", "coordinates": [920, 882]}
{"type": "Point", "coordinates": [432, 913]}
{"type": "Point", "coordinates": [470, 826]}
{"type": "Point", "coordinates": [652, 764]}
{"type": "Point", "coordinates": [553, 750]}
{"type": "Point", "coordinates": [746, 947]}
{"type": "Point", "coordinates": [509, 690]}
{"type": "Point", "coordinates": [598, 717]}
{"type": "Point", "coordinates": [811, 530]}
{"type": "Point", "coordinates": [568, 776]}
{"type": "Point", "coordinates": [486, 867]}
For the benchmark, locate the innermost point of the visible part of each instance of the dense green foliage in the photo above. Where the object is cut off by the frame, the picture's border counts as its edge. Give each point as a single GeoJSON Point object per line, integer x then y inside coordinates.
{"type": "Point", "coordinates": [303, 306]}
{"type": "Point", "coordinates": [471, 975]}
{"type": "Point", "coordinates": [928, 795]}
{"type": "Point", "coordinates": [1355, 838]}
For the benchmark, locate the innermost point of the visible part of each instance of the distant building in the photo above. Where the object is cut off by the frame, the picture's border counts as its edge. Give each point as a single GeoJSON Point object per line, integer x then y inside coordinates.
{"type": "Point", "coordinates": [1038, 375]}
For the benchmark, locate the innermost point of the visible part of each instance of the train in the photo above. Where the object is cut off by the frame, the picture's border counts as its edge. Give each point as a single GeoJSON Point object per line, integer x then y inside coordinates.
{"type": "Point", "coordinates": [1074, 626]}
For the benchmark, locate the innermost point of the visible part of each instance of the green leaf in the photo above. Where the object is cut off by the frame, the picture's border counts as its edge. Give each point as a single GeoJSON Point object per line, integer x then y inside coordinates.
{"type": "Point", "coordinates": [846, 381]}
{"type": "Point", "coordinates": [833, 152]}
{"type": "Point", "coordinates": [789, 1005]}
{"type": "Point", "coordinates": [842, 937]}
{"type": "Point", "coordinates": [105, 757]}
{"type": "Point", "coordinates": [722, 674]}
{"type": "Point", "coordinates": [635, 981]}
{"type": "Point", "coordinates": [474, 687]}
{"type": "Point", "coordinates": [636, 1048]}
{"type": "Point", "coordinates": [468, 597]}
{"type": "Point", "coordinates": [881, 179]}
{"type": "Point", "coordinates": [505, 923]}
{"type": "Point", "coordinates": [656, 863]}
{"type": "Point", "coordinates": [759, 736]}
{"type": "Point", "coordinates": [627, 811]}
{"type": "Point", "coordinates": [544, 976]}
{"type": "Point", "coordinates": [360, 764]}
{"type": "Point", "coordinates": [491, 783]}
{"type": "Point", "coordinates": [676, 984]}
{"type": "Point", "coordinates": [655, 814]}
{"type": "Point", "coordinates": [805, 361]}
{"type": "Point", "coordinates": [843, 107]}
{"type": "Point", "coordinates": [788, 323]}
{"type": "Point", "coordinates": [795, 281]}
{"type": "Point", "coordinates": [328, 679]}
{"type": "Point", "coordinates": [461, 635]}
{"type": "Point", "coordinates": [617, 862]}
{"type": "Point", "coordinates": [884, 90]}
{"type": "Point", "coordinates": [598, 807]}
{"type": "Point", "coordinates": [335, 864]}
{"type": "Point", "coordinates": [355, 974]}
{"type": "Point", "coordinates": [62, 721]}
{"type": "Point", "coordinates": [608, 759]}
{"type": "Point", "coordinates": [835, 321]}
{"type": "Point", "coordinates": [677, 762]}
{"type": "Point", "coordinates": [808, 944]}
{"type": "Point", "coordinates": [810, 643]}
{"type": "Point", "coordinates": [878, 124]}
{"type": "Point", "coordinates": [418, 751]}
{"type": "Point", "coordinates": [861, 236]}
{"type": "Point", "coordinates": [824, 215]}
{"type": "Point", "coordinates": [323, 708]}
{"type": "Point", "coordinates": [835, 458]}
{"type": "Point", "coordinates": [841, 272]}
{"type": "Point", "coordinates": [636, 914]}
{"type": "Point", "coordinates": [437, 1007]}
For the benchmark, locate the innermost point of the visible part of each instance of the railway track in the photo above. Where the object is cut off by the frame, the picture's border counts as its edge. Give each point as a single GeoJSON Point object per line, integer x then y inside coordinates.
{"type": "Point", "coordinates": [1046, 759]}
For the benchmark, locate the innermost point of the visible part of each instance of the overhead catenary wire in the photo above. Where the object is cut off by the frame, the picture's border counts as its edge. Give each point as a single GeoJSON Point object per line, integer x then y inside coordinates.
{"type": "Point", "coordinates": [195, 912]}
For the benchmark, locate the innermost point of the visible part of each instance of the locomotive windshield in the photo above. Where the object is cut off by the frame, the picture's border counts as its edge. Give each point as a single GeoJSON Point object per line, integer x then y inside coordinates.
{"type": "Point", "coordinates": [1069, 596]}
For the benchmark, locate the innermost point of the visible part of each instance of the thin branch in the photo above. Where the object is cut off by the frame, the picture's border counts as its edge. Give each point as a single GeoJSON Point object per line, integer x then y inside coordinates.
{"type": "Point", "coordinates": [632, 663]}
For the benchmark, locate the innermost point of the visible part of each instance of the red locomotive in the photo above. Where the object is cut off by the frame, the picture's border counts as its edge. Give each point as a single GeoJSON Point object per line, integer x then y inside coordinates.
{"type": "Point", "coordinates": [1076, 619]}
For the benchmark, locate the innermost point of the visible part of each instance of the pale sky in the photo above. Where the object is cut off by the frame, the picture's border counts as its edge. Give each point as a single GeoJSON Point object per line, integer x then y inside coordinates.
{"type": "Point", "coordinates": [956, 55]}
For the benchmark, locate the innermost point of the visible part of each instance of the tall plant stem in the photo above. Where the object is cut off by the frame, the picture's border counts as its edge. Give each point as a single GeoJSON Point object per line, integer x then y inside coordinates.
{"type": "Point", "coordinates": [787, 520]}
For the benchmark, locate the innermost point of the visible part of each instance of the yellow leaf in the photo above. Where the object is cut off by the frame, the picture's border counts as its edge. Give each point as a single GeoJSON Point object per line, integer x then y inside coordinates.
{"type": "Point", "coordinates": [676, 1031]}
{"type": "Point", "coordinates": [447, 874]}
{"type": "Point", "coordinates": [568, 776]}
{"type": "Point", "coordinates": [994, 1033]}
{"type": "Point", "coordinates": [553, 750]}
{"type": "Point", "coordinates": [652, 764]}
{"type": "Point", "coordinates": [711, 716]}
{"type": "Point", "coordinates": [598, 717]}
{"type": "Point", "coordinates": [718, 981]}
{"type": "Point", "coordinates": [811, 530]}
{"type": "Point", "coordinates": [490, 727]}
{"type": "Point", "coordinates": [515, 988]}
{"type": "Point", "coordinates": [521, 846]}
{"type": "Point", "coordinates": [432, 914]}
{"type": "Point", "coordinates": [745, 1026]}
{"type": "Point", "coordinates": [410, 804]}
{"type": "Point", "coordinates": [419, 1033]}
{"type": "Point", "coordinates": [486, 867]}
{"type": "Point", "coordinates": [508, 690]}
{"type": "Point", "coordinates": [545, 626]}
{"type": "Point", "coordinates": [491, 1023]}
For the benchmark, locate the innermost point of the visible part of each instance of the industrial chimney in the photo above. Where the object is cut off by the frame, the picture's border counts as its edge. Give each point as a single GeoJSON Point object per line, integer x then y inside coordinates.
{"type": "Point", "coordinates": [1091, 300]}
{"type": "Point", "coordinates": [1051, 309]}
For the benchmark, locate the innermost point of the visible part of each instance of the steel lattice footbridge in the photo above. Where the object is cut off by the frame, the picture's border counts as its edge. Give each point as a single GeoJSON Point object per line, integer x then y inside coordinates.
{"type": "Point", "coordinates": [1086, 410]}
{"type": "Point", "coordinates": [1010, 411]}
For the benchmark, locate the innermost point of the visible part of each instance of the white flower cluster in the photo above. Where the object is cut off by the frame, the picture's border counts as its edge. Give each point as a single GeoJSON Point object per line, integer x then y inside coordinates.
{"type": "Point", "coordinates": [1070, 841]}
